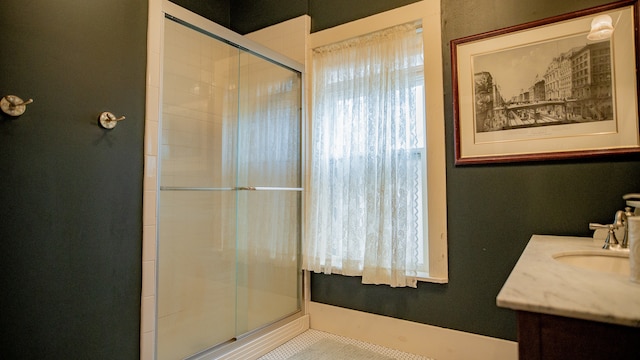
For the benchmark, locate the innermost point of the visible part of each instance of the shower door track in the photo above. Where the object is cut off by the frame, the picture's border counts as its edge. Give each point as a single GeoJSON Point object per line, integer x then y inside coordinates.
{"type": "Point", "coordinates": [245, 188]}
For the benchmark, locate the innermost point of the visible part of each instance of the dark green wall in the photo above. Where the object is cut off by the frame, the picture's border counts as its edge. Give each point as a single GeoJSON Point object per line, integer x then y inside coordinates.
{"type": "Point", "coordinates": [329, 13]}
{"type": "Point", "coordinates": [493, 210]}
{"type": "Point", "coordinates": [71, 192]}
{"type": "Point", "coordinates": [245, 16]}
{"type": "Point", "coordinates": [218, 11]}
{"type": "Point", "coordinates": [251, 15]}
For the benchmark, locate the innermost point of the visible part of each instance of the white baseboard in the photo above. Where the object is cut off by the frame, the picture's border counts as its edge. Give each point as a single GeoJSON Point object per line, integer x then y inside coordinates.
{"type": "Point", "coordinates": [426, 340]}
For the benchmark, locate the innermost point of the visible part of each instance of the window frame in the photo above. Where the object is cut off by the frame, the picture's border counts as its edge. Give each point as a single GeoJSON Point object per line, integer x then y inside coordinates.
{"type": "Point", "coordinates": [428, 12]}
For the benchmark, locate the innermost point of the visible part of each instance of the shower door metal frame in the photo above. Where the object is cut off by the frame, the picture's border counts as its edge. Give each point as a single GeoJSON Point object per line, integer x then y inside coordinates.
{"type": "Point", "coordinates": [198, 23]}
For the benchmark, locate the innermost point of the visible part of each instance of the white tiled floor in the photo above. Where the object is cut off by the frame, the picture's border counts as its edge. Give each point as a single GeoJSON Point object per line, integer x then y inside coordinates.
{"type": "Point", "coordinates": [311, 336]}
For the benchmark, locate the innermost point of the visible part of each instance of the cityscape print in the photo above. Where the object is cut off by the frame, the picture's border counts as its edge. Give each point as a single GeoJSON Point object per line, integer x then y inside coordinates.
{"type": "Point", "coordinates": [564, 81]}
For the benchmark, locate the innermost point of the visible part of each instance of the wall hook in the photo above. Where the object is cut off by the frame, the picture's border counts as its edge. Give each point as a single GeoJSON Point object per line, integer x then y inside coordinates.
{"type": "Point", "coordinates": [108, 121]}
{"type": "Point", "coordinates": [13, 105]}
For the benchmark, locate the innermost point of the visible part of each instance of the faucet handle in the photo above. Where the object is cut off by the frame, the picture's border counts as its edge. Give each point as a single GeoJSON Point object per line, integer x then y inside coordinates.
{"type": "Point", "coordinates": [594, 226]}
{"type": "Point", "coordinates": [611, 235]}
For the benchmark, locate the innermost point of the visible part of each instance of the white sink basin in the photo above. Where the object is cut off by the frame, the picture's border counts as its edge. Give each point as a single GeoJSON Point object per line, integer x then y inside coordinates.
{"type": "Point", "coordinates": [599, 260]}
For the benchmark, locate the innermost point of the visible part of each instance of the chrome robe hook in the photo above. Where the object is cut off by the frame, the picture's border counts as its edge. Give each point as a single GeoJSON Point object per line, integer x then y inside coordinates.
{"type": "Point", "coordinates": [108, 121]}
{"type": "Point", "coordinates": [13, 105]}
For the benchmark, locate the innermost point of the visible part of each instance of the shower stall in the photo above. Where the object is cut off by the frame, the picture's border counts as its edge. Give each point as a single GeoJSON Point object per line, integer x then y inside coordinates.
{"type": "Point", "coordinates": [230, 198]}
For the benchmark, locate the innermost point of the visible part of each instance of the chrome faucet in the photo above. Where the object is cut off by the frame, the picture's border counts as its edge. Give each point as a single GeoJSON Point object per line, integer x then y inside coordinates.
{"type": "Point", "coordinates": [619, 221]}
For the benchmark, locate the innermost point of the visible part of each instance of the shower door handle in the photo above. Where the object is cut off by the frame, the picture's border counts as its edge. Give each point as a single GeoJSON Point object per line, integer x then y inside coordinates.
{"type": "Point", "coordinates": [268, 188]}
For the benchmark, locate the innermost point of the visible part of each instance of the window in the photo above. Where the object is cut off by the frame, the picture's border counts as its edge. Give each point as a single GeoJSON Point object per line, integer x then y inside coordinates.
{"type": "Point", "coordinates": [368, 199]}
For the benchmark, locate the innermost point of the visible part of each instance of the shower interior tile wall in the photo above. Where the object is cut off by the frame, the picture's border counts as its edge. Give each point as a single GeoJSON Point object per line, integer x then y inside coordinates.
{"type": "Point", "coordinates": [198, 103]}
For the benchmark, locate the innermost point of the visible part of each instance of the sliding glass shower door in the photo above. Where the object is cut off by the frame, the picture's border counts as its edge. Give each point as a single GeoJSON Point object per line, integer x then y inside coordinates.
{"type": "Point", "coordinates": [269, 200]}
{"type": "Point", "coordinates": [230, 193]}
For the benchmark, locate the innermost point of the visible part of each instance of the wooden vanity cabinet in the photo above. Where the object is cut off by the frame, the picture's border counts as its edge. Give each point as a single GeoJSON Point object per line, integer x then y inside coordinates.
{"type": "Point", "coordinates": [550, 337]}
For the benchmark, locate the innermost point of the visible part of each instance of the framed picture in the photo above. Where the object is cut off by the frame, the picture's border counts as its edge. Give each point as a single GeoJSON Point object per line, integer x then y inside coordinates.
{"type": "Point", "coordinates": [549, 89]}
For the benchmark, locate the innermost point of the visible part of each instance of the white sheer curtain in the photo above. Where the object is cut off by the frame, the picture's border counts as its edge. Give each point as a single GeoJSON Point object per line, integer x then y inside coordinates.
{"type": "Point", "coordinates": [365, 203]}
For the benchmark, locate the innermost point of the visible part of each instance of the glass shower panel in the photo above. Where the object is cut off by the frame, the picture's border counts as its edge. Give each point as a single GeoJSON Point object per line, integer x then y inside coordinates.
{"type": "Point", "coordinates": [196, 292]}
{"type": "Point", "coordinates": [196, 297]}
{"type": "Point", "coordinates": [269, 166]}
{"type": "Point", "coordinates": [269, 129]}
{"type": "Point", "coordinates": [268, 276]}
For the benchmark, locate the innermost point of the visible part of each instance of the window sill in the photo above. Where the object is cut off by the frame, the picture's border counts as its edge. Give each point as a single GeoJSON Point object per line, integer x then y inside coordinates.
{"type": "Point", "coordinates": [421, 276]}
{"type": "Point", "coordinates": [424, 277]}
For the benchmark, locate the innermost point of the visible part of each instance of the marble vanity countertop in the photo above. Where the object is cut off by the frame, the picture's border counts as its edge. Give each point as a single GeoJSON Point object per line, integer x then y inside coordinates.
{"type": "Point", "coordinates": [539, 283]}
